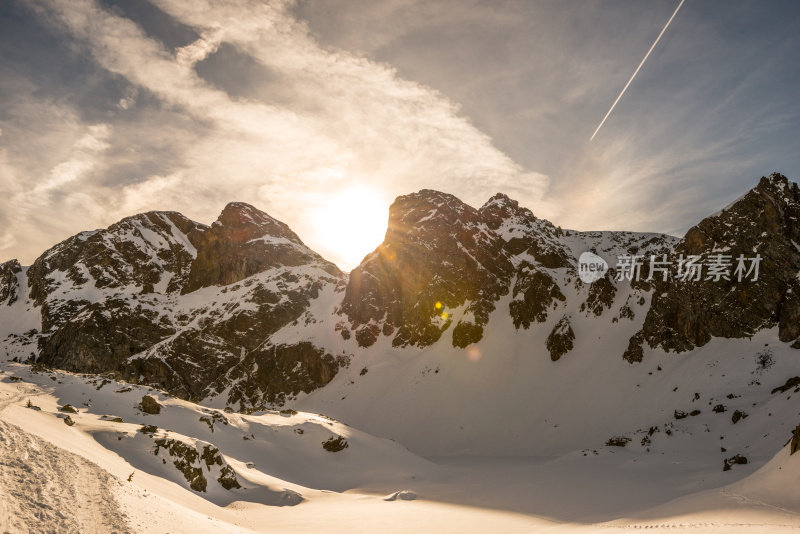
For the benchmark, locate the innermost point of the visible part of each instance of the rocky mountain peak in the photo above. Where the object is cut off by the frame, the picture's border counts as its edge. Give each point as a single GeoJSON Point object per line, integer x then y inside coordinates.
{"type": "Point", "coordinates": [777, 184]}
{"type": "Point", "coordinates": [771, 207]}
{"type": "Point", "coordinates": [763, 224]}
{"type": "Point", "coordinates": [243, 222]}
{"type": "Point", "coordinates": [438, 255]}
{"type": "Point", "coordinates": [427, 213]}
{"type": "Point", "coordinates": [524, 233]}
{"type": "Point", "coordinates": [500, 208]}
{"type": "Point", "coordinates": [244, 241]}
{"type": "Point", "coordinates": [135, 255]}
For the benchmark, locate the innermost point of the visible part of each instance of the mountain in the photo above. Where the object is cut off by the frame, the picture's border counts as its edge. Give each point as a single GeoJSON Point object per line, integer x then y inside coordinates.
{"type": "Point", "coordinates": [459, 315]}
{"type": "Point", "coordinates": [764, 222]}
{"type": "Point", "coordinates": [159, 298]}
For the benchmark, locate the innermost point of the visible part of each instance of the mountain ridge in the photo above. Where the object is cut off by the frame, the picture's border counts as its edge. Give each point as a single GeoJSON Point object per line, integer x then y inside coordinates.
{"type": "Point", "coordinates": [243, 313]}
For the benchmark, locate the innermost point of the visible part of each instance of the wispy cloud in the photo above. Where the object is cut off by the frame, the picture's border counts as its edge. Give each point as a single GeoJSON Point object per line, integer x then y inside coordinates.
{"type": "Point", "coordinates": [347, 121]}
{"type": "Point", "coordinates": [285, 104]}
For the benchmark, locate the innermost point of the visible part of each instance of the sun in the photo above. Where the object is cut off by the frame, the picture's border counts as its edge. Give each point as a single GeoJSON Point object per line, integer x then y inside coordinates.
{"type": "Point", "coordinates": [351, 224]}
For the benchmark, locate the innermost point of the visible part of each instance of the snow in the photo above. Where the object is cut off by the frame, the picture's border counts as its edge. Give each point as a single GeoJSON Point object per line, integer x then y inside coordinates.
{"type": "Point", "coordinates": [293, 485]}
{"type": "Point", "coordinates": [45, 487]}
{"type": "Point", "coordinates": [494, 437]}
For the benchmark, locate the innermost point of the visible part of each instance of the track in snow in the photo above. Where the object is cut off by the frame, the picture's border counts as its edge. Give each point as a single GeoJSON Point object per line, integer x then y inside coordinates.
{"type": "Point", "coordinates": [49, 490]}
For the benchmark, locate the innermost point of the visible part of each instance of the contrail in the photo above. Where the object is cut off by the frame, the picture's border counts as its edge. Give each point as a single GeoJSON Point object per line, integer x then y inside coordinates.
{"type": "Point", "coordinates": [636, 71]}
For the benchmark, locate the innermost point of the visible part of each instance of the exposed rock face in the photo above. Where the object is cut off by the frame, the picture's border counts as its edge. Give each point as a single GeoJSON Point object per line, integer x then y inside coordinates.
{"type": "Point", "coordinates": [534, 292]}
{"type": "Point", "coordinates": [141, 254]}
{"type": "Point", "coordinates": [559, 342]}
{"type": "Point", "coordinates": [437, 250]}
{"type": "Point", "coordinates": [766, 221]}
{"type": "Point", "coordinates": [101, 336]}
{"type": "Point", "coordinates": [634, 353]}
{"type": "Point", "coordinates": [445, 265]}
{"type": "Point", "coordinates": [524, 234]}
{"type": "Point", "coordinates": [270, 375]}
{"type": "Point", "coordinates": [537, 250]}
{"type": "Point", "coordinates": [150, 405]}
{"type": "Point", "coordinates": [117, 300]}
{"type": "Point", "coordinates": [229, 338]}
{"type": "Point", "coordinates": [195, 461]}
{"type": "Point", "coordinates": [245, 241]}
{"type": "Point", "coordinates": [102, 293]}
{"type": "Point", "coordinates": [736, 459]}
{"type": "Point", "coordinates": [601, 294]}
{"type": "Point", "coordinates": [8, 281]}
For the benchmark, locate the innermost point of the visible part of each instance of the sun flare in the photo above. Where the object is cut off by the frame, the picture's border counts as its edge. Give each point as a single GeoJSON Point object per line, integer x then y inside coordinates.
{"type": "Point", "coordinates": [351, 225]}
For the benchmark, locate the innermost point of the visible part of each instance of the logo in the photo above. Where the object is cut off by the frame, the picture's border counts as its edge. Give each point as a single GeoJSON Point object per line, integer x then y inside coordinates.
{"type": "Point", "coordinates": [591, 267]}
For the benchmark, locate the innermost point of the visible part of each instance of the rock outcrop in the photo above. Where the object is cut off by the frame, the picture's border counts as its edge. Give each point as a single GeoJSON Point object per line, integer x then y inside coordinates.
{"type": "Point", "coordinates": [8, 281]}
{"type": "Point", "coordinates": [764, 222]}
{"type": "Point", "coordinates": [438, 256]}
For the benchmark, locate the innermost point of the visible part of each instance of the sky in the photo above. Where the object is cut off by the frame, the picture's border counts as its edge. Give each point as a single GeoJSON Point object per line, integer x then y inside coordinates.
{"type": "Point", "coordinates": [321, 112]}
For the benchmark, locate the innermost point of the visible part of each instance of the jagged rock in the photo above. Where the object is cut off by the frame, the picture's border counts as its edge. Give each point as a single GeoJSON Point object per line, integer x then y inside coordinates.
{"type": "Point", "coordinates": [737, 416]}
{"type": "Point", "coordinates": [102, 336]}
{"type": "Point", "coordinates": [634, 353]}
{"type": "Point", "coordinates": [765, 221]}
{"type": "Point", "coordinates": [601, 294]}
{"type": "Point", "coordinates": [9, 282]}
{"type": "Point", "coordinates": [335, 444]}
{"type": "Point", "coordinates": [436, 250]}
{"type": "Point", "coordinates": [737, 459]}
{"type": "Point", "coordinates": [525, 234]}
{"type": "Point", "coordinates": [794, 445]}
{"type": "Point", "coordinates": [559, 342]}
{"type": "Point", "coordinates": [138, 252]}
{"type": "Point", "coordinates": [150, 405]}
{"type": "Point", "coordinates": [191, 460]}
{"type": "Point", "coordinates": [270, 375]}
{"type": "Point", "coordinates": [538, 291]}
{"type": "Point", "coordinates": [793, 382]}
{"type": "Point", "coordinates": [245, 241]}
{"type": "Point", "coordinates": [466, 333]}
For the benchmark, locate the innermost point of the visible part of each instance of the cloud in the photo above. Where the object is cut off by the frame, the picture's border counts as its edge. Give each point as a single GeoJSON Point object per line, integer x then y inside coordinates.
{"type": "Point", "coordinates": [191, 54]}
{"type": "Point", "coordinates": [713, 108]}
{"type": "Point", "coordinates": [336, 120]}
{"type": "Point", "coordinates": [80, 162]}
{"type": "Point", "coordinates": [286, 104]}
{"type": "Point", "coordinates": [128, 100]}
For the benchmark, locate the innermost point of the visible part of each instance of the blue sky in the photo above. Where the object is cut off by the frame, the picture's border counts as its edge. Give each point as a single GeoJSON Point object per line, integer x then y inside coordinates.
{"type": "Point", "coordinates": [108, 108]}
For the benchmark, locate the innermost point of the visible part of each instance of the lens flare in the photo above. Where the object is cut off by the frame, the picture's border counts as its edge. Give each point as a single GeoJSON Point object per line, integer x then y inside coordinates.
{"type": "Point", "coordinates": [473, 352]}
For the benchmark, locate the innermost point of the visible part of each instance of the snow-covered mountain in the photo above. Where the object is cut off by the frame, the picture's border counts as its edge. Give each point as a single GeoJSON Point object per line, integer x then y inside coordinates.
{"type": "Point", "coordinates": [459, 312]}
{"type": "Point", "coordinates": [467, 336]}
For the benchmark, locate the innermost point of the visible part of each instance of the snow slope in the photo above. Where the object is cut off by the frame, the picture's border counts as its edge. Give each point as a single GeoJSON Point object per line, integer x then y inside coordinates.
{"type": "Point", "coordinates": [102, 476]}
